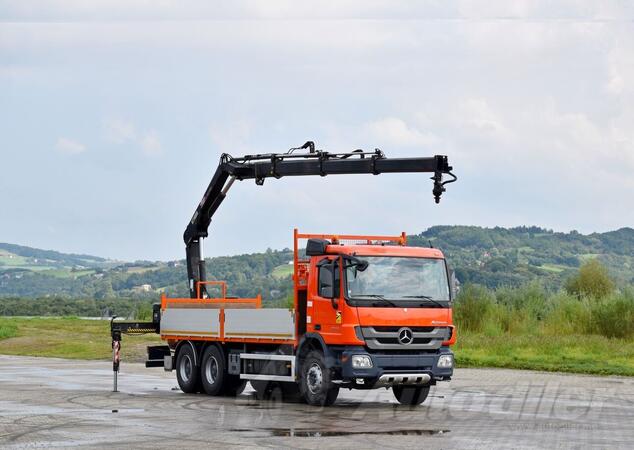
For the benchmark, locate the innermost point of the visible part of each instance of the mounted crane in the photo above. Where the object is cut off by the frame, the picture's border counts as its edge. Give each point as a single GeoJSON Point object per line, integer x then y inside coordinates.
{"type": "Point", "coordinates": [368, 311]}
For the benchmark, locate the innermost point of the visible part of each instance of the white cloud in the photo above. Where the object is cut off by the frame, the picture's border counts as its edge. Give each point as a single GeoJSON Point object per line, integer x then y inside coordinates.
{"type": "Point", "coordinates": [69, 146]}
{"type": "Point", "coordinates": [142, 10]}
{"type": "Point", "coordinates": [119, 131]}
{"type": "Point", "coordinates": [395, 131]}
{"type": "Point", "coordinates": [231, 136]}
{"type": "Point", "coordinates": [478, 114]}
{"type": "Point", "coordinates": [151, 144]}
{"type": "Point", "coordinates": [125, 132]}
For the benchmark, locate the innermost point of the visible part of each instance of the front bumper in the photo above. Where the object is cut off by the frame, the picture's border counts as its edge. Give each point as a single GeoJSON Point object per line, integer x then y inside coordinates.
{"type": "Point", "coordinates": [395, 368]}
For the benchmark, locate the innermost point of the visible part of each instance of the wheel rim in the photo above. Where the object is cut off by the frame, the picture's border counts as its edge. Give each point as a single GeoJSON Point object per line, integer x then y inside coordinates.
{"type": "Point", "coordinates": [314, 378]}
{"type": "Point", "coordinates": [211, 370]}
{"type": "Point", "coordinates": [186, 368]}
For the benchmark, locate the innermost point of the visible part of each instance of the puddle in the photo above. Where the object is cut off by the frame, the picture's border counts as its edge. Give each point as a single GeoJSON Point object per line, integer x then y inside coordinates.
{"type": "Point", "coordinates": [291, 432]}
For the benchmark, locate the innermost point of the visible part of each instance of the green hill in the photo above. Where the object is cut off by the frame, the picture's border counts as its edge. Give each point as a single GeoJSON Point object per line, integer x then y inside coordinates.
{"type": "Point", "coordinates": [489, 256]}
{"type": "Point", "coordinates": [511, 256]}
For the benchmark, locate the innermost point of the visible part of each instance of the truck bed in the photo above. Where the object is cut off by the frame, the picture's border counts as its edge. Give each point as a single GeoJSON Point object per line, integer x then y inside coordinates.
{"type": "Point", "coordinates": [240, 320]}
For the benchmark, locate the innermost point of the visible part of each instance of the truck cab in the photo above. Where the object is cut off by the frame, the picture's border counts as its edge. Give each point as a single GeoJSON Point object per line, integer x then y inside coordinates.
{"type": "Point", "coordinates": [380, 311]}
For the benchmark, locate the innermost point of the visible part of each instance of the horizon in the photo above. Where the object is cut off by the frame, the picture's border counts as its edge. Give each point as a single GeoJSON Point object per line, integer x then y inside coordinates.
{"type": "Point", "coordinates": [279, 249]}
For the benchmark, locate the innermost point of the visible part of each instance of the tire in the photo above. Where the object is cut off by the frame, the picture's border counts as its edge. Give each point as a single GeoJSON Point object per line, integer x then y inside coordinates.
{"type": "Point", "coordinates": [410, 395]}
{"type": "Point", "coordinates": [187, 373]}
{"type": "Point", "coordinates": [212, 371]}
{"type": "Point", "coordinates": [315, 381]}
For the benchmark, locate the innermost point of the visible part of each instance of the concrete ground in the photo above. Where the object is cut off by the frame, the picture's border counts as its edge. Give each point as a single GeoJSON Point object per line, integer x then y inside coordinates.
{"type": "Point", "coordinates": [61, 403]}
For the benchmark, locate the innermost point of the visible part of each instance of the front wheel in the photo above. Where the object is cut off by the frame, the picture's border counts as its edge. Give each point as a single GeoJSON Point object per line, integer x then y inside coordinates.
{"type": "Point", "coordinates": [410, 395]}
{"type": "Point", "coordinates": [315, 381]}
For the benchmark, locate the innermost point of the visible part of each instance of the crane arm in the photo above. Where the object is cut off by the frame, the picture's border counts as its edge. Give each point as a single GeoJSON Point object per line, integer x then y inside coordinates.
{"type": "Point", "coordinates": [278, 165]}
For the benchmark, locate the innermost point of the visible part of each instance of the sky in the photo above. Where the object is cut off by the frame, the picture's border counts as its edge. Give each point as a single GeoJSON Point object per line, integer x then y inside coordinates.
{"type": "Point", "coordinates": [113, 115]}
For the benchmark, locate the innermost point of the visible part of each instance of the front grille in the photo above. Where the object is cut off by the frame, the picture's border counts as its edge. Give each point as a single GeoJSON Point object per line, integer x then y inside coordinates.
{"type": "Point", "coordinates": [422, 338]}
{"type": "Point", "coordinates": [384, 329]}
{"type": "Point", "coordinates": [415, 341]}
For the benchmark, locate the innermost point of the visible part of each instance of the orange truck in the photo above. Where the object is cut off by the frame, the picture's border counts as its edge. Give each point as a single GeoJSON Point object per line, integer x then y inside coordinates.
{"type": "Point", "coordinates": [368, 312]}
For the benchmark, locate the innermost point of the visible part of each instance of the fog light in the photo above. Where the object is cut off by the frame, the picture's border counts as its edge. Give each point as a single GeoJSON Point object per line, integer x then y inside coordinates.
{"type": "Point", "coordinates": [445, 361]}
{"type": "Point", "coordinates": [361, 362]}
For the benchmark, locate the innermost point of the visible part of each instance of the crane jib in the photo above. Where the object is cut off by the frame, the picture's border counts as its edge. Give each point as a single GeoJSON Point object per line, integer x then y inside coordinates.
{"type": "Point", "coordinates": [278, 165]}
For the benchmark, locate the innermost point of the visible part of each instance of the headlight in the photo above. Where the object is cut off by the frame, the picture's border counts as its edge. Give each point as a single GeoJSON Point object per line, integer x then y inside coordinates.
{"type": "Point", "coordinates": [361, 362]}
{"type": "Point", "coordinates": [445, 361]}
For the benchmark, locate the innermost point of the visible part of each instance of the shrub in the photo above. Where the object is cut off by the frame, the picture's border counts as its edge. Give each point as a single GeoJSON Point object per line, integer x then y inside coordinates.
{"type": "Point", "coordinates": [530, 298]}
{"type": "Point", "coordinates": [592, 280]}
{"type": "Point", "coordinates": [614, 316]}
{"type": "Point", "coordinates": [472, 308]}
{"type": "Point", "coordinates": [514, 320]}
{"type": "Point", "coordinates": [568, 315]}
{"type": "Point", "coordinates": [143, 312]}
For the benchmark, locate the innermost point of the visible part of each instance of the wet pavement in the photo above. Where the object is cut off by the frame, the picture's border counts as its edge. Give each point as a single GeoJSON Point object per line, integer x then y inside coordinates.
{"type": "Point", "coordinates": [47, 402]}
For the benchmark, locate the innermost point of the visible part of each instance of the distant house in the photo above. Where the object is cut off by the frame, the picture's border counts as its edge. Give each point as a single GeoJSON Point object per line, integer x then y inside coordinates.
{"type": "Point", "coordinates": [142, 288]}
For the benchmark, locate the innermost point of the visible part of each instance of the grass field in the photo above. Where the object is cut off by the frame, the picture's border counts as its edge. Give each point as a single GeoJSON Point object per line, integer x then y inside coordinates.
{"type": "Point", "coordinates": [67, 337]}
{"type": "Point", "coordinates": [556, 268]}
{"type": "Point", "coordinates": [10, 260]}
{"type": "Point", "coordinates": [572, 353]}
{"type": "Point", "coordinates": [285, 270]}
{"type": "Point", "coordinates": [90, 339]}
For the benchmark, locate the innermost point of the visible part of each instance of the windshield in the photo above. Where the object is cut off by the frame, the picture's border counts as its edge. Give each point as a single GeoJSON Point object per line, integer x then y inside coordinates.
{"type": "Point", "coordinates": [398, 279]}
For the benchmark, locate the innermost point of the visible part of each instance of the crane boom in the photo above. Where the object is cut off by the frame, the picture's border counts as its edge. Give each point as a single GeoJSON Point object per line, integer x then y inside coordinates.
{"type": "Point", "coordinates": [278, 165]}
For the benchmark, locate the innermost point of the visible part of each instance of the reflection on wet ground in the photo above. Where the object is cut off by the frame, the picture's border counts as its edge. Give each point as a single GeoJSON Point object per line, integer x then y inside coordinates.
{"type": "Point", "coordinates": [46, 402]}
{"type": "Point", "coordinates": [292, 432]}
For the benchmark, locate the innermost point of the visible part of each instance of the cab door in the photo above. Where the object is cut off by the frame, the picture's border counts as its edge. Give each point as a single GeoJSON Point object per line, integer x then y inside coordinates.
{"type": "Point", "coordinates": [326, 312]}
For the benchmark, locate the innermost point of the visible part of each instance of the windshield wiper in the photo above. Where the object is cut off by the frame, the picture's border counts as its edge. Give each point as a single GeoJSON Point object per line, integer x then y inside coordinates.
{"type": "Point", "coordinates": [380, 297]}
{"type": "Point", "coordinates": [384, 301]}
{"type": "Point", "coordinates": [426, 297]}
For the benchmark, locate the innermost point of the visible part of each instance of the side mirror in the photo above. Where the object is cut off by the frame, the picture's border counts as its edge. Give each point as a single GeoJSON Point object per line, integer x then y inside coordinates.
{"type": "Point", "coordinates": [353, 261]}
{"type": "Point", "coordinates": [328, 282]}
{"type": "Point", "coordinates": [454, 284]}
{"type": "Point", "coordinates": [316, 247]}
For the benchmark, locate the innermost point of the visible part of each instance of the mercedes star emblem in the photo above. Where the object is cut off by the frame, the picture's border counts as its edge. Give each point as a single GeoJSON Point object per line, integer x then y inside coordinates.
{"type": "Point", "coordinates": [405, 336]}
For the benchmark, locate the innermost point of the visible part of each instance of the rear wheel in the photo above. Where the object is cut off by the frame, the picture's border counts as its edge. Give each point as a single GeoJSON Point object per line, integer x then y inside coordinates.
{"type": "Point", "coordinates": [315, 381]}
{"type": "Point", "coordinates": [214, 375]}
{"type": "Point", "coordinates": [212, 370]}
{"type": "Point", "coordinates": [411, 395]}
{"type": "Point", "coordinates": [186, 371]}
